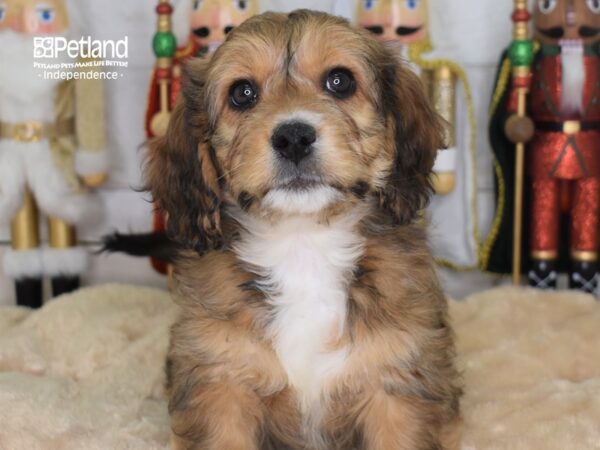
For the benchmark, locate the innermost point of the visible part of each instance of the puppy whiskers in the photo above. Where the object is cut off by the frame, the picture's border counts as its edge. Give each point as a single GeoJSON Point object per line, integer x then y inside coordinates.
{"type": "Point", "coordinates": [230, 171]}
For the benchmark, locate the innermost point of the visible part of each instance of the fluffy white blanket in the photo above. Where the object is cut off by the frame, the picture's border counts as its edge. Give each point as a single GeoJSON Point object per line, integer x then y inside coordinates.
{"type": "Point", "coordinates": [86, 371]}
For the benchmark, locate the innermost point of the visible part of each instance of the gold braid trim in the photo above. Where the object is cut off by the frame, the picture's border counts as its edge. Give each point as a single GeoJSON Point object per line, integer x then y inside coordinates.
{"type": "Point", "coordinates": [415, 52]}
{"type": "Point", "coordinates": [486, 248]}
{"type": "Point", "coordinates": [503, 79]}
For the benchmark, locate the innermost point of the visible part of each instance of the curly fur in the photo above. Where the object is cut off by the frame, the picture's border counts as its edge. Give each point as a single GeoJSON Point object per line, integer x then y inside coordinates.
{"type": "Point", "coordinates": [312, 317]}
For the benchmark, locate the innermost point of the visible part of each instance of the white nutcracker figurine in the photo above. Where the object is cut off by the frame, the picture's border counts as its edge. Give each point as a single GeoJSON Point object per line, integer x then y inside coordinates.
{"type": "Point", "coordinates": [453, 210]}
{"type": "Point", "coordinates": [52, 148]}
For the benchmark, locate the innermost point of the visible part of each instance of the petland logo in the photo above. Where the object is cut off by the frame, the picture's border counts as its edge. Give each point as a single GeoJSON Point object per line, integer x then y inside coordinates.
{"type": "Point", "coordinates": [89, 58]}
{"type": "Point", "coordinates": [86, 47]}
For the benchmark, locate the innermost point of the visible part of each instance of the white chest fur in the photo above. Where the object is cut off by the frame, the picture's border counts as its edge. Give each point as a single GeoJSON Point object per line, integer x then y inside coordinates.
{"type": "Point", "coordinates": [306, 267]}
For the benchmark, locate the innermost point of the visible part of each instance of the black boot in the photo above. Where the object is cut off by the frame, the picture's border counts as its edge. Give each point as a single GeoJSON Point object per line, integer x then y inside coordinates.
{"type": "Point", "coordinates": [64, 285]}
{"type": "Point", "coordinates": [583, 276]}
{"type": "Point", "coordinates": [29, 292]}
{"type": "Point", "coordinates": [542, 274]}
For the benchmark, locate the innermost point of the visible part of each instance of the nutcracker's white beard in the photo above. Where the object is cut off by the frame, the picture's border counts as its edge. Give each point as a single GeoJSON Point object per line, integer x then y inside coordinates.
{"type": "Point", "coordinates": [19, 80]}
{"type": "Point", "coordinates": [573, 76]}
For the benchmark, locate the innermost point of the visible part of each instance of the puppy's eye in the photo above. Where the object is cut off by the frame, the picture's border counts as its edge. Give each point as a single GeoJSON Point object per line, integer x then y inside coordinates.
{"type": "Point", "coordinates": [340, 83]}
{"type": "Point", "coordinates": [242, 94]}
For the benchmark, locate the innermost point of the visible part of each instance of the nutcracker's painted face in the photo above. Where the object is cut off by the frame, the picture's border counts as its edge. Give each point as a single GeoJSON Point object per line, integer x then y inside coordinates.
{"type": "Point", "coordinates": [35, 17]}
{"type": "Point", "coordinates": [556, 20]}
{"type": "Point", "coordinates": [212, 20]}
{"type": "Point", "coordinates": [403, 21]}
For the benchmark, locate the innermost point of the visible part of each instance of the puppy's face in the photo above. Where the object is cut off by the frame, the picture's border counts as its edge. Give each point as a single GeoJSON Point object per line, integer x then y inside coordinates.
{"type": "Point", "coordinates": [296, 114]}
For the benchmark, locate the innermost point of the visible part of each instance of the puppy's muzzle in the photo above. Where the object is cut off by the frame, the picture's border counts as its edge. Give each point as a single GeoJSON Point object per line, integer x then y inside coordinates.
{"type": "Point", "coordinates": [294, 141]}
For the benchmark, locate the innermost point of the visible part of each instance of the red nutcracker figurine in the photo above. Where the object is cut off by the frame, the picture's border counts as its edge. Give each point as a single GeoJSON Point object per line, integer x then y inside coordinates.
{"type": "Point", "coordinates": [560, 122]}
{"type": "Point", "coordinates": [210, 22]}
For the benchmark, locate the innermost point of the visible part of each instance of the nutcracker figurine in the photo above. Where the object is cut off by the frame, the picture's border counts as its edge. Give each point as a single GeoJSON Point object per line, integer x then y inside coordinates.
{"type": "Point", "coordinates": [555, 110]}
{"type": "Point", "coordinates": [51, 148]}
{"type": "Point", "coordinates": [210, 22]}
{"type": "Point", "coordinates": [453, 211]}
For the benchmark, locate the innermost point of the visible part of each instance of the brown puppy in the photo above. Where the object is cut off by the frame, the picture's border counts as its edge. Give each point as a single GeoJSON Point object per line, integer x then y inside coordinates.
{"type": "Point", "coordinates": [293, 171]}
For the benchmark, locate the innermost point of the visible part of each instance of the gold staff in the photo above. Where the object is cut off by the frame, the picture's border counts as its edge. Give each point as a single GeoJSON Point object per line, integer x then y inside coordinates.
{"type": "Point", "coordinates": [164, 45]}
{"type": "Point", "coordinates": [521, 56]}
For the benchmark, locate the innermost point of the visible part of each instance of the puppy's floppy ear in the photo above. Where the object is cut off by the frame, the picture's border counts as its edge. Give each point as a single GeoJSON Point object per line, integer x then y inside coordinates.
{"type": "Point", "coordinates": [416, 137]}
{"type": "Point", "coordinates": [182, 172]}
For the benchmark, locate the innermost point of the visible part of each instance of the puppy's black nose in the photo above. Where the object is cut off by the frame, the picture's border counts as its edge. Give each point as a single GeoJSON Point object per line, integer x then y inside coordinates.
{"type": "Point", "coordinates": [294, 140]}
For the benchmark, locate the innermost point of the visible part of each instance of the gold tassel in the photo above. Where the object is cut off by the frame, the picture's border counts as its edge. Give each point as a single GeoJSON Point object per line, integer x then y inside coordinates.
{"type": "Point", "coordinates": [415, 52]}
